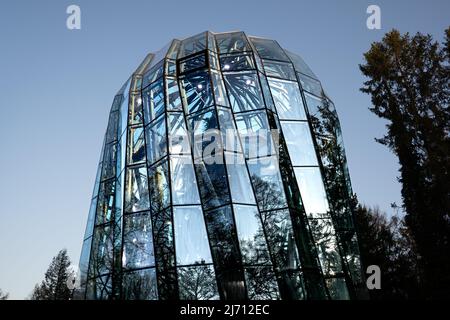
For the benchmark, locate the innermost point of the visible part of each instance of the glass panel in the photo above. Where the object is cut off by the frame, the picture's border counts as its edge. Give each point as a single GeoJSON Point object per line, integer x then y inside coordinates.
{"type": "Point", "coordinates": [154, 73]}
{"type": "Point", "coordinates": [191, 240]}
{"type": "Point", "coordinates": [267, 183]}
{"type": "Point", "coordinates": [299, 142]}
{"type": "Point", "coordinates": [315, 105]}
{"type": "Point", "coordinates": [99, 288]}
{"type": "Point", "coordinates": [338, 289]}
{"type": "Point", "coordinates": [91, 219]}
{"type": "Point", "coordinates": [105, 204]}
{"type": "Point", "coordinates": [236, 62]}
{"type": "Point", "coordinates": [192, 63]}
{"type": "Point", "coordinates": [312, 191]}
{"type": "Point", "coordinates": [109, 161]}
{"type": "Point", "coordinates": [219, 89]}
{"type": "Point", "coordinates": [159, 186]}
{"type": "Point", "coordinates": [153, 97]}
{"type": "Point", "coordinates": [280, 238]}
{"type": "Point", "coordinates": [311, 85]}
{"type": "Point", "coordinates": [102, 251]}
{"type": "Point", "coordinates": [232, 42]}
{"type": "Point", "coordinates": [136, 145]}
{"type": "Point", "coordinates": [266, 92]}
{"type": "Point", "coordinates": [196, 91]}
{"type": "Point", "coordinates": [192, 45]}
{"type": "Point", "coordinates": [138, 242]}
{"type": "Point", "coordinates": [113, 123]}
{"type": "Point", "coordinates": [173, 95]}
{"type": "Point", "coordinates": [136, 190]}
{"type": "Point", "coordinates": [84, 263]}
{"type": "Point", "coordinates": [212, 180]}
{"type": "Point", "coordinates": [300, 65]}
{"type": "Point", "coordinates": [178, 135]}
{"type": "Point", "coordinates": [206, 138]}
{"type": "Point", "coordinates": [156, 140]}
{"type": "Point", "coordinates": [326, 244]}
{"type": "Point", "coordinates": [241, 188]}
{"type": "Point", "coordinates": [261, 283]}
{"type": "Point", "coordinates": [279, 69]}
{"type": "Point", "coordinates": [135, 113]}
{"type": "Point", "coordinates": [228, 130]}
{"type": "Point", "coordinates": [255, 134]}
{"type": "Point", "coordinates": [269, 49]}
{"type": "Point", "coordinates": [251, 236]}
{"type": "Point", "coordinates": [171, 67]}
{"type": "Point", "coordinates": [197, 283]}
{"type": "Point", "coordinates": [244, 91]}
{"type": "Point", "coordinates": [140, 285]}
{"type": "Point", "coordinates": [288, 100]}
{"type": "Point", "coordinates": [184, 184]}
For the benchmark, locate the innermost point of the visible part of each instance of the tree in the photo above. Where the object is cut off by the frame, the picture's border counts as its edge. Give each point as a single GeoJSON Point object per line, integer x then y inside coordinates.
{"type": "Point", "coordinates": [54, 286]}
{"type": "Point", "coordinates": [387, 244]}
{"type": "Point", "coordinates": [3, 295]}
{"type": "Point", "coordinates": [409, 83]}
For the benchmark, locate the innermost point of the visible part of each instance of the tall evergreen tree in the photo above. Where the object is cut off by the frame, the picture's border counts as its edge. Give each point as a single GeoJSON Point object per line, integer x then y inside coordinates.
{"type": "Point", "coordinates": [54, 286]}
{"type": "Point", "coordinates": [409, 83]}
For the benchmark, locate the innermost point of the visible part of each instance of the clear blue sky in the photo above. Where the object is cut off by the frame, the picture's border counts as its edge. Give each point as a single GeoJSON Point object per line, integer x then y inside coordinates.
{"type": "Point", "coordinates": [57, 87]}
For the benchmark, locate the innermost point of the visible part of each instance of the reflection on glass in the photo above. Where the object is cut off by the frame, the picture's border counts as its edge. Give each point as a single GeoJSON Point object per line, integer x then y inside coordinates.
{"type": "Point", "coordinates": [311, 85]}
{"type": "Point", "coordinates": [102, 251]}
{"type": "Point", "coordinates": [196, 91]}
{"type": "Point", "coordinates": [300, 65]}
{"type": "Point", "coordinates": [140, 285]}
{"type": "Point", "coordinates": [205, 136]}
{"type": "Point", "coordinates": [266, 179]}
{"type": "Point", "coordinates": [173, 95]}
{"type": "Point", "coordinates": [279, 69]}
{"type": "Point", "coordinates": [136, 190]}
{"type": "Point", "coordinates": [337, 289]}
{"type": "Point", "coordinates": [158, 179]}
{"type": "Point", "coordinates": [251, 236]}
{"type": "Point", "coordinates": [105, 202]}
{"type": "Point", "coordinates": [312, 191]}
{"type": "Point", "coordinates": [136, 145]}
{"type": "Point", "coordinates": [99, 288]}
{"type": "Point", "coordinates": [178, 135]}
{"type": "Point", "coordinates": [138, 242]}
{"type": "Point", "coordinates": [244, 91]}
{"type": "Point", "coordinates": [192, 45]}
{"type": "Point", "coordinates": [156, 140]}
{"type": "Point", "coordinates": [288, 100]}
{"type": "Point", "coordinates": [197, 283]}
{"type": "Point", "coordinates": [241, 188]}
{"type": "Point", "coordinates": [269, 49]}
{"type": "Point", "coordinates": [236, 62]}
{"type": "Point", "coordinates": [261, 283]}
{"type": "Point", "coordinates": [219, 89]}
{"type": "Point", "coordinates": [153, 99]}
{"type": "Point", "coordinates": [299, 143]}
{"type": "Point", "coordinates": [184, 184]}
{"type": "Point", "coordinates": [109, 161]}
{"type": "Point", "coordinates": [232, 42]}
{"type": "Point", "coordinates": [191, 240]}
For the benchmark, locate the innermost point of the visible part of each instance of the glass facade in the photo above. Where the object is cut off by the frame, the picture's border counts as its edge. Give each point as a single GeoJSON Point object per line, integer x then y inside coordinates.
{"type": "Point", "coordinates": [222, 176]}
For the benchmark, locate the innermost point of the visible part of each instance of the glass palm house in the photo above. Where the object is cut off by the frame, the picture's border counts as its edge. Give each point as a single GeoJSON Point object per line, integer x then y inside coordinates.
{"type": "Point", "coordinates": [222, 176]}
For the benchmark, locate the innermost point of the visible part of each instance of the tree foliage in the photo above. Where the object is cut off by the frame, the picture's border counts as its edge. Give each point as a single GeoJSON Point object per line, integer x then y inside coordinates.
{"type": "Point", "coordinates": [54, 286]}
{"type": "Point", "coordinates": [408, 80]}
{"type": "Point", "coordinates": [3, 295]}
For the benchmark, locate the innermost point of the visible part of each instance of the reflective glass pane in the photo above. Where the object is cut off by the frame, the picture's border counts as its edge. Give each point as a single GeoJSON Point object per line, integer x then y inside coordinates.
{"type": "Point", "coordinates": [251, 235]}
{"type": "Point", "coordinates": [326, 244]}
{"type": "Point", "coordinates": [315, 105]}
{"type": "Point", "coordinates": [158, 177]}
{"type": "Point", "coordinates": [191, 240]}
{"type": "Point", "coordinates": [102, 258]}
{"type": "Point", "coordinates": [266, 179]}
{"type": "Point", "coordinates": [105, 202]}
{"type": "Point", "coordinates": [279, 69]}
{"type": "Point", "coordinates": [156, 140]}
{"type": "Point", "coordinates": [109, 161]}
{"type": "Point", "coordinates": [206, 137]}
{"type": "Point", "coordinates": [300, 65]}
{"type": "Point", "coordinates": [212, 180]}
{"type": "Point", "coordinates": [84, 262]}
{"type": "Point", "coordinates": [192, 45]}
{"type": "Point", "coordinates": [240, 185]}
{"type": "Point", "coordinates": [299, 142]}
{"type": "Point", "coordinates": [138, 241]}
{"type": "Point", "coordinates": [197, 283]}
{"type": "Point", "coordinates": [155, 72]}
{"type": "Point", "coordinates": [112, 133]}
{"type": "Point", "coordinates": [196, 91]}
{"type": "Point", "coordinates": [91, 219]}
{"type": "Point", "coordinates": [153, 99]}
{"type": "Point", "coordinates": [219, 89]}
{"type": "Point", "coordinates": [173, 95]}
{"type": "Point", "coordinates": [244, 91]}
{"type": "Point", "coordinates": [136, 190]}
{"type": "Point", "coordinates": [337, 289]}
{"type": "Point", "coordinates": [261, 283]}
{"type": "Point", "coordinates": [236, 62]}
{"type": "Point", "coordinates": [311, 85]}
{"type": "Point", "coordinates": [178, 135]}
{"type": "Point", "coordinates": [184, 184]}
{"type": "Point", "coordinates": [140, 285]}
{"type": "Point", "coordinates": [255, 134]}
{"type": "Point", "coordinates": [136, 111]}
{"type": "Point", "coordinates": [288, 100]}
{"type": "Point", "coordinates": [192, 63]}
{"type": "Point", "coordinates": [232, 42]}
{"type": "Point", "coordinates": [99, 288]}
{"type": "Point", "coordinates": [269, 49]}
{"type": "Point", "coordinates": [266, 92]}
{"type": "Point", "coordinates": [136, 145]}
{"type": "Point", "coordinates": [312, 191]}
